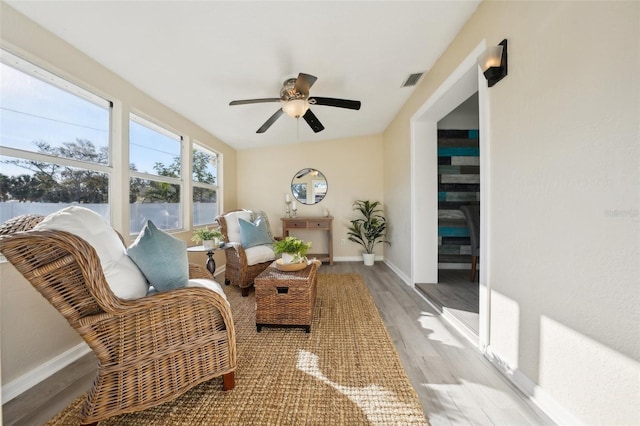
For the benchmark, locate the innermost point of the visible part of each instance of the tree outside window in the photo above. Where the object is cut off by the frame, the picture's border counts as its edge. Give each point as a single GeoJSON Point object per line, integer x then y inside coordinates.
{"type": "Point", "coordinates": [154, 176]}
{"type": "Point", "coordinates": [204, 186]}
{"type": "Point", "coordinates": [54, 137]}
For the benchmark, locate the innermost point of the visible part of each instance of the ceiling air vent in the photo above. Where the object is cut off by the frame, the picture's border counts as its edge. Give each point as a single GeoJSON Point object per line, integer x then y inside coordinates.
{"type": "Point", "coordinates": [412, 80]}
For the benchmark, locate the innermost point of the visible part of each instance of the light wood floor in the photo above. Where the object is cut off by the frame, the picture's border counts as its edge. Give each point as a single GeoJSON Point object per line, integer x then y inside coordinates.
{"type": "Point", "coordinates": [456, 294]}
{"type": "Point", "coordinates": [455, 383]}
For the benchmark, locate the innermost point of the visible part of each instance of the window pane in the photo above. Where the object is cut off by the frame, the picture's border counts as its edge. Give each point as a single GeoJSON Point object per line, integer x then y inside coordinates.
{"type": "Point", "coordinates": [37, 116]}
{"type": "Point", "coordinates": [205, 206]}
{"type": "Point", "coordinates": [299, 190]}
{"type": "Point", "coordinates": [205, 166]}
{"type": "Point", "coordinates": [155, 201]}
{"type": "Point", "coordinates": [35, 187]}
{"type": "Point", "coordinates": [152, 151]}
{"type": "Point", "coordinates": [204, 190]}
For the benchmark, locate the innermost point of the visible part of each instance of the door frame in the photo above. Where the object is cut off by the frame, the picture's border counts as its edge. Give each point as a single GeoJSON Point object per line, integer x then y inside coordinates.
{"type": "Point", "coordinates": [465, 80]}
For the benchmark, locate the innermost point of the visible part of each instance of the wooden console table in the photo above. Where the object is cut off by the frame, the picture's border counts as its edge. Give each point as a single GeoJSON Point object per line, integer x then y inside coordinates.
{"type": "Point", "coordinates": [312, 223]}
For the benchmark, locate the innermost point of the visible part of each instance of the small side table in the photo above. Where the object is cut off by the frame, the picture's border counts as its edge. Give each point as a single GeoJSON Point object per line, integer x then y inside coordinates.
{"type": "Point", "coordinates": [211, 262]}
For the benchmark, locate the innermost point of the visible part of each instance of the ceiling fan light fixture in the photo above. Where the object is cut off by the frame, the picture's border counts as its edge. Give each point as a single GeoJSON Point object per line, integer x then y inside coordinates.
{"type": "Point", "coordinates": [295, 102]}
{"type": "Point", "coordinates": [295, 108]}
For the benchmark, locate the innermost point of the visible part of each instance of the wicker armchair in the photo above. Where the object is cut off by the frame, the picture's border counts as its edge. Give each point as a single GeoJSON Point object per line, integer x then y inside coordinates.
{"type": "Point", "coordinates": [241, 269]}
{"type": "Point", "coordinates": [150, 350]}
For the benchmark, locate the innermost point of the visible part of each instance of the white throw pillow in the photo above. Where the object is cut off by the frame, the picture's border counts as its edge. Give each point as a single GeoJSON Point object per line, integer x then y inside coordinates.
{"type": "Point", "coordinates": [233, 227]}
{"type": "Point", "coordinates": [123, 276]}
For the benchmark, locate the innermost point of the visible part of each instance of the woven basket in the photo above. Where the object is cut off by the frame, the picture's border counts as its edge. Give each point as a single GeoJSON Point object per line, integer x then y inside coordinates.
{"type": "Point", "coordinates": [285, 298]}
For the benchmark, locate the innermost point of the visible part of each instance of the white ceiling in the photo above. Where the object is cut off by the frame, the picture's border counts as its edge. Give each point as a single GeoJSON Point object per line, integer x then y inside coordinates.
{"type": "Point", "coordinates": [197, 56]}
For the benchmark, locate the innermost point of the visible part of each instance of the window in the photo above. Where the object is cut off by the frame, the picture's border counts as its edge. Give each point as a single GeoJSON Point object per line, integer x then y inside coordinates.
{"type": "Point", "coordinates": [299, 190]}
{"type": "Point", "coordinates": [54, 142]}
{"type": "Point", "coordinates": [204, 186]}
{"type": "Point", "coordinates": [155, 183]}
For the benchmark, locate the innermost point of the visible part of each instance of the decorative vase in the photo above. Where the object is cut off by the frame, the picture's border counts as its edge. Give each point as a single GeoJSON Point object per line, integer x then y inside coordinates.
{"type": "Point", "coordinates": [369, 258]}
{"type": "Point", "coordinates": [208, 244]}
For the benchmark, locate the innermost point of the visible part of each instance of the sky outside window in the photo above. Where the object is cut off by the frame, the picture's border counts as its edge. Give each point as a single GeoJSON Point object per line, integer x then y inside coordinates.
{"type": "Point", "coordinates": [148, 147]}
{"type": "Point", "coordinates": [32, 110]}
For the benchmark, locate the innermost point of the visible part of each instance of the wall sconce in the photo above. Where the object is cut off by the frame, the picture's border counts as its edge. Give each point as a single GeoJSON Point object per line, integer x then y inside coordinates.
{"type": "Point", "coordinates": [493, 63]}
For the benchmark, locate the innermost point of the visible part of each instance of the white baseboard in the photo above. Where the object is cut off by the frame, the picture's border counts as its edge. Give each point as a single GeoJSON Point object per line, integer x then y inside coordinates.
{"type": "Point", "coordinates": [556, 412]}
{"type": "Point", "coordinates": [221, 270]}
{"type": "Point", "coordinates": [42, 372]}
{"type": "Point", "coordinates": [352, 258]}
{"type": "Point", "coordinates": [348, 259]}
{"type": "Point", "coordinates": [405, 278]}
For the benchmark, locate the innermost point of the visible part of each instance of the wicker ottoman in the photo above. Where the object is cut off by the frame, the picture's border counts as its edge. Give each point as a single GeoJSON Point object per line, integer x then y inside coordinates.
{"type": "Point", "coordinates": [285, 298]}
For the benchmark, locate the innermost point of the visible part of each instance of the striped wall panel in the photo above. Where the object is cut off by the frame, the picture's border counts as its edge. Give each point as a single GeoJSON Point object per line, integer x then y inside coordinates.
{"type": "Point", "coordinates": [458, 184]}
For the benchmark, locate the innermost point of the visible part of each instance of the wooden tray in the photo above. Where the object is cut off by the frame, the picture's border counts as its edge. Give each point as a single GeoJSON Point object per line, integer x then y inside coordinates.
{"type": "Point", "coordinates": [290, 267]}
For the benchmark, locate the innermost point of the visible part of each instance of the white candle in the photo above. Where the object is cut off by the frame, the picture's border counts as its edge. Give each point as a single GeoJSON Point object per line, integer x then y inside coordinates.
{"type": "Point", "coordinates": [286, 197]}
{"type": "Point", "coordinates": [293, 205]}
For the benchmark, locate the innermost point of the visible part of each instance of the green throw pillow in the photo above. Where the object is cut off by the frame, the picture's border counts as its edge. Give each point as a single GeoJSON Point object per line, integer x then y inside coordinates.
{"type": "Point", "coordinates": [254, 234]}
{"type": "Point", "coordinates": [161, 258]}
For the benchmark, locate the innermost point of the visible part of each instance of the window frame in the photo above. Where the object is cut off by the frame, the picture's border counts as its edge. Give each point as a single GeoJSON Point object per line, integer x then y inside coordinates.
{"type": "Point", "coordinates": [167, 131]}
{"type": "Point", "coordinates": [196, 145]}
{"type": "Point", "coordinates": [117, 168]}
{"type": "Point", "coordinates": [38, 71]}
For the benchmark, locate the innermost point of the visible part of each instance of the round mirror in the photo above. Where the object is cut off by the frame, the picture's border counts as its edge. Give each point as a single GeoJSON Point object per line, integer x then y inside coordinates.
{"type": "Point", "coordinates": [309, 186]}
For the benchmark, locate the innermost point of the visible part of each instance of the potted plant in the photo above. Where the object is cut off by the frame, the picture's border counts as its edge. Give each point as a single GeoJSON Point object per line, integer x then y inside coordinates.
{"type": "Point", "coordinates": [293, 250]}
{"type": "Point", "coordinates": [207, 236]}
{"type": "Point", "coordinates": [368, 230]}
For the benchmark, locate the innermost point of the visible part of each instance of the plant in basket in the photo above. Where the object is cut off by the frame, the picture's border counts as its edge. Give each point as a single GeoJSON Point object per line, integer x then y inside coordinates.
{"type": "Point", "coordinates": [293, 250]}
{"type": "Point", "coordinates": [207, 236]}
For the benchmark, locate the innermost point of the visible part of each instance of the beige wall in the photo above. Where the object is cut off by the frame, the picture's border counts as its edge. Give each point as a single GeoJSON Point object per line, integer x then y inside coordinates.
{"type": "Point", "coordinates": [564, 236]}
{"type": "Point", "coordinates": [564, 206]}
{"type": "Point", "coordinates": [353, 168]}
{"type": "Point", "coordinates": [32, 331]}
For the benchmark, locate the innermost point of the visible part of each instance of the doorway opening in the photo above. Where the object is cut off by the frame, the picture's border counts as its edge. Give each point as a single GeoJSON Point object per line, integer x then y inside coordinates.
{"type": "Point", "coordinates": [427, 262]}
{"type": "Point", "coordinates": [456, 289]}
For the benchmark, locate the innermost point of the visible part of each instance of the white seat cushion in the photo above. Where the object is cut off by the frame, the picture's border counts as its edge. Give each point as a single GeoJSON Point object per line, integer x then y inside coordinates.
{"type": "Point", "coordinates": [123, 276]}
{"type": "Point", "coordinates": [210, 284]}
{"type": "Point", "coordinates": [233, 226]}
{"type": "Point", "coordinates": [199, 282]}
{"type": "Point", "coordinates": [259, 254]}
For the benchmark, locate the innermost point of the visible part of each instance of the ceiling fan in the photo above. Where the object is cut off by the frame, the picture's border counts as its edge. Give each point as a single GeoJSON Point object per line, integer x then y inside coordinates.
{"type": "Point", "coordinates": [296, 101]}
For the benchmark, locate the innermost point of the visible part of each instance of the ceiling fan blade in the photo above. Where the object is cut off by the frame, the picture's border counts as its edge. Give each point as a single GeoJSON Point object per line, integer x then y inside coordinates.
{"type": "Point", "coordinates": [254, 101]}
{"type": "Point", "coordinates": [341, 103]}
{"type": "Point", "coordinates": [313, 121]}
{"type": "Point", "coordinates": [304, 83]}
{"type": "Point", "coordinates": [270, 121]}
{"type": "Point", "coordinates": [302, 173]}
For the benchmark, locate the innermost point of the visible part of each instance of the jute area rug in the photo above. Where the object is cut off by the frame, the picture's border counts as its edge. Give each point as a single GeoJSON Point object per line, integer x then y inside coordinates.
{"type": "Point", "coordinates": [346, 371]}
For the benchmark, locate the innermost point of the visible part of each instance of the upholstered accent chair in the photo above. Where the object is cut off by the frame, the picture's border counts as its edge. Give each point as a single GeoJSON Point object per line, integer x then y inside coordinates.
{"type": "Point", "coordinates": [150, 349]}
{"type": "Point", "coordinates": [472, 216]}
{"type": "Point", "coordinates": [245, 259]}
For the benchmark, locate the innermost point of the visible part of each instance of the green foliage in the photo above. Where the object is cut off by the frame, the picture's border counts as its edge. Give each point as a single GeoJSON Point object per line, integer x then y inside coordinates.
{"type": "Point", "coordinates": [200, 162]}
{"type": "Point", "coordinates": [201, 234]}
{"type": "Point", "coordinates": [293, 246]}
{"type": "Point", "coordinates": [54, 183]}
{"type": "Point", "coordinates": [370, 229]}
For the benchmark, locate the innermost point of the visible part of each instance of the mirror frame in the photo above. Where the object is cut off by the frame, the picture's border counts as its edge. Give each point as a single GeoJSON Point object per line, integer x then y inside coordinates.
{"type": "Point", "coordinates": [317, 176]}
